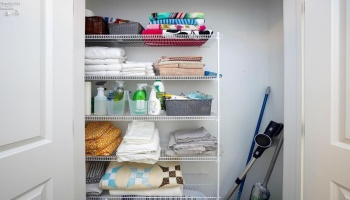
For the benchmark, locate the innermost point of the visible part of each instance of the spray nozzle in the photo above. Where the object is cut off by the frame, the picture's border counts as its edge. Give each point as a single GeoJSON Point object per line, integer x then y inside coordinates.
{"type": "Point", "coordinates": [101, 84]}
{"type": "Point", "coordinates": [141, 86]}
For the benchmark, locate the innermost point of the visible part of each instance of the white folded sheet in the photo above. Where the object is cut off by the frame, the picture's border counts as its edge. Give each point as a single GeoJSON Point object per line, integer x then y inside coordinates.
{"type": "Point", "coordinates": [93, 189]}
{"type": "Point", "coordinates": [96, 68]}
{"type": "Point", "coordinates": [140, 130]}
{"type": "Point", "coordinates": [149, 158]}
{"type": "Point", "coordinates": [144, 63]}
{"type": "Point", "coordinates": [104, 53]}
{"type": "Point", "coordinates": [104, 61]}
{"type": "Point", "coordinates": [134, 65]}
{"type": "Point", "coordinates": [134, 73]}
{"type": "Point", "coordinates": [141, 69]}
{"type": "Point", "coordinates": [134, 147]}
{"type": "Point", "coordinates": [171, 191]}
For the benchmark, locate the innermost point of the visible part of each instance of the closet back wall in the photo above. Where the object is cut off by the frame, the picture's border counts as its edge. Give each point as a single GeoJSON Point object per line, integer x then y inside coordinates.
{"type": "Point", "coordinates": [251, 59]}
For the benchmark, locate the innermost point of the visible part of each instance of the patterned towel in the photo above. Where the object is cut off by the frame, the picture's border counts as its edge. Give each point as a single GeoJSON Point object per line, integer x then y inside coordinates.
{"type": "Point", "coordinates": [95, 171]}
{"type": "Point", "coordinates": [197, 22]}
{"type": "Point", "coordinates": [131, 176]}
{"type": "Point", "coordinates": [175, 15]}
{"type": "Point", "coordinates": [180, 27]}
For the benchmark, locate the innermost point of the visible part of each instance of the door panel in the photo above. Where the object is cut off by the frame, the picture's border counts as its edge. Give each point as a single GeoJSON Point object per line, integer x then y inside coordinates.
{"type": "Point", "coordinates": [327, 144]}
{"type": "Point", "coordinates": [36, 81]}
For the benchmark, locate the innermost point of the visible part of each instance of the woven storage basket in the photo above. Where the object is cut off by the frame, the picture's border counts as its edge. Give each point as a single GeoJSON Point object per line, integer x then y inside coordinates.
{"type": "Point", "coordinates": [125, 28]}
{"type": "Point", "coordinates": [95, 25]}
{"type": "Point", "coordinates": [187, 107]}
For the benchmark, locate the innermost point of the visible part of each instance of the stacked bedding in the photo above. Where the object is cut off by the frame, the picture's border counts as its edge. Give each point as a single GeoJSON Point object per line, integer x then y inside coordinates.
{"type": "Point", "coordinates": [179, 66]}
{"type": "Point", "coordinates": [192, 142]}
{"type": "Point", "coordinates": [176, 25]}
{"type": "Point", "coordinates": [128, 178]}
{"type": "Point", "coordinates": [101, 139]}
{"type": "Point", "coordinates": [111, 61]}
{"type": "Point", "coordinates": [140, 143]}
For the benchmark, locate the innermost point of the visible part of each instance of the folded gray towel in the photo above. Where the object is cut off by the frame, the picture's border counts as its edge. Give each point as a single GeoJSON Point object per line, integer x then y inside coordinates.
{"type": "Point", "coordinates": [191, 134]}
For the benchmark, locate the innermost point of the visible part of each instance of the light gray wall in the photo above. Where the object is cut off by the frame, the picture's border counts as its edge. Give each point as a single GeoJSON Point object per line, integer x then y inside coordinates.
{"type": "Point", "coordinates": [251, 60]}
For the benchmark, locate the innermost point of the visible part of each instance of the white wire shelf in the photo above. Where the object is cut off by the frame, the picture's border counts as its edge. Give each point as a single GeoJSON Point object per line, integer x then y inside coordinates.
{"type": "Point", "coordinates": [139, 40]}
{"type": "Point", "coordinates": [94, 77]}
{"type": "Point", "coordinates": [191, 191]}
{"type": "Point", "coordinates": [163, 157]}
{"type": "Point", "coordinates": [162, 117]}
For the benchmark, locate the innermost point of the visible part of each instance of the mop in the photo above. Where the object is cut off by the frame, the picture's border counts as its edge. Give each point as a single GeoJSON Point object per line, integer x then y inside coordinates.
{"type": "Point", "coordinates": [263, 141]}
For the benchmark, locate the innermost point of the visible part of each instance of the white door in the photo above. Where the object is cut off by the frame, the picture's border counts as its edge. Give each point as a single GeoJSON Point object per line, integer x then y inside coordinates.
{"type": "Point", "coordinates": [36, 102]}
{"type": "Point", "coordinates": [327, 100]}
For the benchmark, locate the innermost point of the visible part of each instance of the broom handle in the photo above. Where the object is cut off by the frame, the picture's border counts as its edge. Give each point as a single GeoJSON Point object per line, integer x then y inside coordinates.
{"type": "Point", "coordinates": [273, 160]}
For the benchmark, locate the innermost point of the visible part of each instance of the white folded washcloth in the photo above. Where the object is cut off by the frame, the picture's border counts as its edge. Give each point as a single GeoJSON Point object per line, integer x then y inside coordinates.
{"type": "Point", "coordinates": [93, 189]}
{"type": "Point", "coordinates": [140, 130]}
{"type": "Point", "coordinates": [103, 73]}
{"type": "Point", "coordinates": [104, 52]}
{"type": "Point", "coordinates": [104, 61]}
{"type": "Point", "coordinates": [96, 68]}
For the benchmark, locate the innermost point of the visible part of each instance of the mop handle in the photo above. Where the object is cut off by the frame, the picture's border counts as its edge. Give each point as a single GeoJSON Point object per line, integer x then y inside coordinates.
{"type": "Point", "coordinates": [273, 160]}
{"type": "Point", "coordinates": [267, 92]}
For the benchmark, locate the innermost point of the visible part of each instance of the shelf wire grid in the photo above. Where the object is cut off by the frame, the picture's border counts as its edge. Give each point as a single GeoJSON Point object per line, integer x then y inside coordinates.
{"type": "Point", "coordinates": [99, 77]}
{"type": "Point", "coordinates": [149, 40]}
{"type": "Point", "coordinates": [163, 157]}
{"type": "Point", "coordinates": [191, 191]}
{"type": "Point", "coordinates": [162, 117]}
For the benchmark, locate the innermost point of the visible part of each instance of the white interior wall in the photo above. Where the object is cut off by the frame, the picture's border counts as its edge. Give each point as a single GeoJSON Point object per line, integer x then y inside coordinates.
{"type": "Point", "coordinates": [251, 60]}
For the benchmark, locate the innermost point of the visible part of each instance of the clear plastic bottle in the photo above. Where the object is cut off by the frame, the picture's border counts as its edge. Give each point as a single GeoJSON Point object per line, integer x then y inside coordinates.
{"type": "Point", "coordinates": [100, 102]}
{"type": "Point", "coordinates": [160, 91]}
{"type": "Point", "coordinates": [119, 92]}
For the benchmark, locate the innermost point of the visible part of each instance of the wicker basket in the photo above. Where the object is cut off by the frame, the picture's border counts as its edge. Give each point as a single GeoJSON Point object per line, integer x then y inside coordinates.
{"type": "Point", "coordinates": [95, 25]}
{"type": "Point", "coordinates": [125, 28]}
{"type": "Point", "coordinates": [187, 107]}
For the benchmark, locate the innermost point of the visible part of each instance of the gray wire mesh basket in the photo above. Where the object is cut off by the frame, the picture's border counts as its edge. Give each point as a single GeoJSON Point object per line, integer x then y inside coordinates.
{"type": "Point", "coordinates": [125, 28]}
{"type": "Point", "coordinates": [187, 107]}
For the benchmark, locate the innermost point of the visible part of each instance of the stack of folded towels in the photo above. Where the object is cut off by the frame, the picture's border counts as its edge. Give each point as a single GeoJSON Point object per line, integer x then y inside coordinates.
{"type": "Point", "coordinates": [177, 23]}
{"type": "Point", "coordinates": [111, 61]}
{"type": "Point", "coordinates": [192, 142]}
{"type": "Point", "coordinates": [104, 61]}
{"type": "Point", "coordinates": [94, 172]}
{"type": "Point", "coordinates": [179, 66]}
{"type": "Point", "coordinates": [101, 139]}
{"type": "Point", "coordinates": [128, 178]}
{"type": "Point", "coordinates": [140, 143]}
{"type": "Point", "coordinates": [133, 68]}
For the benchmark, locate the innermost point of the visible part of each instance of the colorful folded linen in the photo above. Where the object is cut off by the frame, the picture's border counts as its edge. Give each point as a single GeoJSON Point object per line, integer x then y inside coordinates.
{"type": "Point", "coordinates": [180, 27]}
{"type": "Point", "coordinates": [175, 15]}
{"type": "Point", "coordinates": [196, 22]}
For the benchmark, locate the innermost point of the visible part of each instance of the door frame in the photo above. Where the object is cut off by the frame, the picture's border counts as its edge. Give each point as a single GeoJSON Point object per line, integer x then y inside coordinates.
{"type": "Point", "coordinates": [79, 113]}
{"type": "Point", "coordinates": [293, 14]}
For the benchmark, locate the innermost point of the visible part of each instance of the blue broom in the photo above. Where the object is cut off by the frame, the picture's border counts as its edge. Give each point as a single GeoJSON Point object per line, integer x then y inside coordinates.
{"type": "Point", "coordinates": [267, 92]}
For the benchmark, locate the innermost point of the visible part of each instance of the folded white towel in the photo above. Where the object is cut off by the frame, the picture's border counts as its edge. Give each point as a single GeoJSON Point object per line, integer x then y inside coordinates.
{"type": "Point", "coordinates": [140, 130]}
{"type": "Point", "coordinates": [96, 68]}
{"type": "Point", "coordinates": [133, 73]}
{"type": "Point", "coordinates": [104, 52]}
{"type": "Point", "coordinates": [103, 73]}
{"type": "Point", "coordinates": [93, 189]}
{"type": "Point", "coordinates": [104, 61]}
{"type": "Point", "coordinates": [140, 69]}
{"type": "Point", "coordinates": [134, 65]}
{"type": "Point", "coordinates": [171, 191]}
{"type": "Point", "coordinates": [143, 63]}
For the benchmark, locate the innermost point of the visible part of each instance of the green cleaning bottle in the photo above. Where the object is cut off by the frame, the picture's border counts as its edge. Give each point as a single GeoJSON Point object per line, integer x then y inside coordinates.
{"type": "Point", "coordinates": [119, 92]}
{"type": "Point", "coordinates": [140, 94]}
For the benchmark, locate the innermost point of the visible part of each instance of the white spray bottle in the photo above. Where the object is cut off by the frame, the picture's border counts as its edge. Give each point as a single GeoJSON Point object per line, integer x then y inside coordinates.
{"type": "Point", "coordinates": [100, 100]}
{"type": "Point", "coordinates": [154, 107]}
